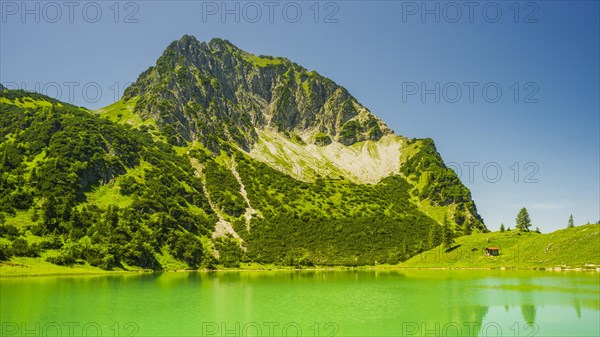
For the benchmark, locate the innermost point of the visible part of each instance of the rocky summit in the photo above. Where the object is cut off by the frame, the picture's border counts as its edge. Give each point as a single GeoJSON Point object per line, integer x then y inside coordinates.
{"type": "Point", "coordinates": [214, 90]}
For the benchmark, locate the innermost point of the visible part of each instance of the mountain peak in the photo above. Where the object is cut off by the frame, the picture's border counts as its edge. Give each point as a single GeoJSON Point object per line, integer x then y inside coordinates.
{"type": "Point", "coordinates": [213, 92]}
{"type": "Point", "coordinates": [189, 46]}
{"type": "Point", "coordinates": [217, 42]}
{"type": "Point", "coordinates": [191, 39]}
{"type": "Point", "coordinates": [183, 43]}
{"type": "Point", "coordinates": [188, 39]}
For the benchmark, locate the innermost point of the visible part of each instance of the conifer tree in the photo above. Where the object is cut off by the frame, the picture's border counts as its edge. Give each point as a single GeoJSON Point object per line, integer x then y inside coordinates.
{"type": "Point", "coordinates": [523, 220]}
{"type": "Point", "coordinates": [571, 224]}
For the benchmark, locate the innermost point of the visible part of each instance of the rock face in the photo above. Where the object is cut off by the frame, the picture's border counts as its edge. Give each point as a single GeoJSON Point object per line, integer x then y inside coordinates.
{"type": "Point", "coordinates": [210, 92]}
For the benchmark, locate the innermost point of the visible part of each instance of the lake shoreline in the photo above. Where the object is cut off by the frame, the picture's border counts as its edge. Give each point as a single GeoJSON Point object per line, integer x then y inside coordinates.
{"type": "Point", "coordinates": [83, 272]}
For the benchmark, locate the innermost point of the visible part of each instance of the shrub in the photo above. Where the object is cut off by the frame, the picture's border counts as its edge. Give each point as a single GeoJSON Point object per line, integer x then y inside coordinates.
{"type": "Point", "coordinates": [20, 247]}
{"type": "Point", "coordinates": [54, 242]}
{"type": "Point", "coordinates": [63, 259]}
{"type": "Point", "coordinates": [186, 247]}
{"type": "Point", "coordinates": [5, 252]}
{"type": "Point", "coordinates": [9, 231]}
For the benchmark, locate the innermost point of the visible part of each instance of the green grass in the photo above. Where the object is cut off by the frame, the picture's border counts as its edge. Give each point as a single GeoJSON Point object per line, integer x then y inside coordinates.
{"type": "Point", "coordinates": [123, 112]}
{"type": "Point", "coordinates": [138, 171]}
{"type": "Point", "coordinates": [110, 194]}
{"type": "Point", "coordinates": [306, 86]}
{"type": "Point", "coordinates": [27, 102]}
{"type": "Point", "coordinates": [577, 247]}
{"type": "Point", "coordinates": [181, 150]}
{"type": "Point", "coordinates": [20, 219]}
{"type": "Point", "coordinates": [168, 262]}
{"type": "Point", "coordinates": [437, 213]}
{"type": "Point", "coordinates": [36, 266]}
{"type": "Point", "coordinates": [37, 159]}
{"type": "Point", "coordinates": [20, 267]}
{"type": "Point", "coordinates": [107, 194]}
{"type": "Point", "coordinates": [261, 61]}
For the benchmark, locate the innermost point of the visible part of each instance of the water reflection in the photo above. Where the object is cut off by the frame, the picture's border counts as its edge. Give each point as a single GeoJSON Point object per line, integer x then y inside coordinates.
{"type": "Point", "coordinates": [528, 311]}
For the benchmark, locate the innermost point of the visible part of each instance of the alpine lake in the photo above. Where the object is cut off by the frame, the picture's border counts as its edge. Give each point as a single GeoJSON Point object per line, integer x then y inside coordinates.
{"type": "Point", "coordinates": [305, 303]}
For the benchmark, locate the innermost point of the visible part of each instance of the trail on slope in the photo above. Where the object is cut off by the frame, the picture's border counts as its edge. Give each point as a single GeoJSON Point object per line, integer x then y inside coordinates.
{"type": "Point", "coordinates": [222, 227]}
{"type": "Point", "coordinates": [250, 211]}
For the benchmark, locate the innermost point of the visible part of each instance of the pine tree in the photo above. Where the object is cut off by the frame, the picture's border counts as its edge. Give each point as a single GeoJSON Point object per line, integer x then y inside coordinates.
{"type": "Point", "coordinates": [447, 235]}
{"type": "Point", "coordinates": [467, 227]}
{"type": "Point", "coordinates": [50, 213]}
{"type": "Point", "coordinates": [435, 237]}
{"type": "Point", "coordinates": [403, 251]}
{"type": "Point", "coordinates": [523, 221]}
{"type": "Point", "coordinates": [421, 247]}
{"type": "Point", "coordinates": [571, 224]}
{"type": "Point", "coordinates": [35, 216]}
{"type": "Point", "coordinates": [502, 227]}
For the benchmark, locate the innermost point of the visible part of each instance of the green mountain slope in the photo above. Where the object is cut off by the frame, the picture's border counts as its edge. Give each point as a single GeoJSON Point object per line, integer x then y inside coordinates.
{"type": "Point", "coordinates": [251, 159]}
{"type": "Point", "coordinates": [577, 247]}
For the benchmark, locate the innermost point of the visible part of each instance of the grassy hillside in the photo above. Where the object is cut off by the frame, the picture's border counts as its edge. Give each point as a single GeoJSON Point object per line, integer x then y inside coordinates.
{"type": "Point", "coordinates": [577, 247]}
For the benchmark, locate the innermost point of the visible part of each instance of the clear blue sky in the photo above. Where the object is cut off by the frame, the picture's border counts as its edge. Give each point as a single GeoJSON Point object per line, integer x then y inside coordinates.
{"type": "Point", "coordinates": [386, 53]}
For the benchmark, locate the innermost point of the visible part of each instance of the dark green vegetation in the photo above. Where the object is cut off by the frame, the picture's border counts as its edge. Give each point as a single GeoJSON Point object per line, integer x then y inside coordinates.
{"type": "Point", "coordinates": [54, 154]}
{"type": "Point", "coordinates": [331, 222]}
{"type": "Point", "coordinates": [146, 191]}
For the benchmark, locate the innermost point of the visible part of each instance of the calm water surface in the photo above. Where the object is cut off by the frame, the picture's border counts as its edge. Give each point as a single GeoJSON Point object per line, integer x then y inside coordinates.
{"type": "Point", "coordinates": [305, 303]}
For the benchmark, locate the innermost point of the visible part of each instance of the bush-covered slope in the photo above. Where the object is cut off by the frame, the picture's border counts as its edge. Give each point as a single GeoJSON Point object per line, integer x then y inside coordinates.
{"type": "Point", "coordinates": [55, 157]}
{"type": "Point", "coordinates": [80, 189]}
